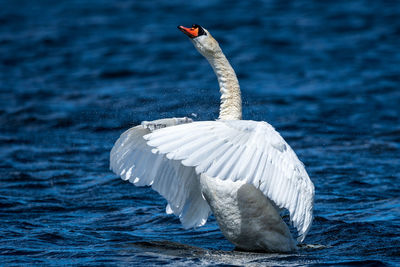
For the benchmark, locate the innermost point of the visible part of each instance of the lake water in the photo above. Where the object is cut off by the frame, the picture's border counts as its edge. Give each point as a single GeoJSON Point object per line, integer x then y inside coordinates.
{"type": "Point", "coordinates": [75, 74]}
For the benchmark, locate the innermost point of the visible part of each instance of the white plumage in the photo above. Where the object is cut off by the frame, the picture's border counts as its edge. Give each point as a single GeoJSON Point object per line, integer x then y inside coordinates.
{"type": "Point", "coordinates": [171, 156]}
{"type": "Point", "coordinates": [132, 159]}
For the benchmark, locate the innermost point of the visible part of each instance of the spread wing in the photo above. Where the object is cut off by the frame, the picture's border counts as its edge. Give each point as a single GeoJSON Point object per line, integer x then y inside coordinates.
{"type": "Point", "coordinates": [242, 150]}
{"type": "Point", "coordinates": [132, 159]}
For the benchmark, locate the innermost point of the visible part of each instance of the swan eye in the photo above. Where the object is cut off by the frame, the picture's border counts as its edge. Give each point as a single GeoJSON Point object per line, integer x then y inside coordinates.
{"type": "Point", "coordinates": [200, 29]}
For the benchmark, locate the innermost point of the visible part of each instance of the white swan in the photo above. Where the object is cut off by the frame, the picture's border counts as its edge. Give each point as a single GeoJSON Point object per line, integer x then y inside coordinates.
{"type": "Point", "coordinates": [242, 171]}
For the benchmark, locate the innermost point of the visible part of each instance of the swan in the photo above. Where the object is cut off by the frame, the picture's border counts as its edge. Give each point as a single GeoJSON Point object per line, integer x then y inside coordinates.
{"type": "Point", "coordinates": [242, 171]}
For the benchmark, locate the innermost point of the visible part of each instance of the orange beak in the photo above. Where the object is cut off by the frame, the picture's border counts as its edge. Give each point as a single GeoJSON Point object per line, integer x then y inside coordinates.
{"type": "Point", "coordinates": [191, 32]}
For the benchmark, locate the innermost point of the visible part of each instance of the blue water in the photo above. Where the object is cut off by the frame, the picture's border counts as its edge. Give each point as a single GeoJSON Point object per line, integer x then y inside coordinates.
{"type": "Point", "coordinates": [75, 74]}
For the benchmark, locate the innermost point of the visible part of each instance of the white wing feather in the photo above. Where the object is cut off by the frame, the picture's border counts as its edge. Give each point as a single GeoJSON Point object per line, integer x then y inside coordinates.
{"type": "Point", "coordinates": [132, 159]}
{"type": "Point", "coordinates": [242, 150]}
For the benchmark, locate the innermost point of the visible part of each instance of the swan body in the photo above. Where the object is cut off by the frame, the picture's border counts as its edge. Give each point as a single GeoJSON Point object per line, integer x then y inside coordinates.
{"type": "Point", "coordinates": [242, 171]}
{"type": "Point", "coordinates": [245, 216]}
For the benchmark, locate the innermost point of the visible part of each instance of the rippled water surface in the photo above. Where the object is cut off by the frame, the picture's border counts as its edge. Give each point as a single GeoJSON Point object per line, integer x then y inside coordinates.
{"type": "Point", "coordinates": [75, 74]}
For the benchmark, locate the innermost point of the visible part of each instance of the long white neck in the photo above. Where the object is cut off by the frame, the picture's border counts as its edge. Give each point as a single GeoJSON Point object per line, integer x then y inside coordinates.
{"type": "Point", "coordinates": [231, 102]}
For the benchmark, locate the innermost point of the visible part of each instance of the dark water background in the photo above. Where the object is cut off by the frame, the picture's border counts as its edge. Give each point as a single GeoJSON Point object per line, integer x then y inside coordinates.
{"type": "Point", "coordinates": [75, 74]}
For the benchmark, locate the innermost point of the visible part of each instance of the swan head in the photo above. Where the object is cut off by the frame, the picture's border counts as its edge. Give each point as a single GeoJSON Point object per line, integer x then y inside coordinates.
{"type": "Point", "coordinates": [201, 39]}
